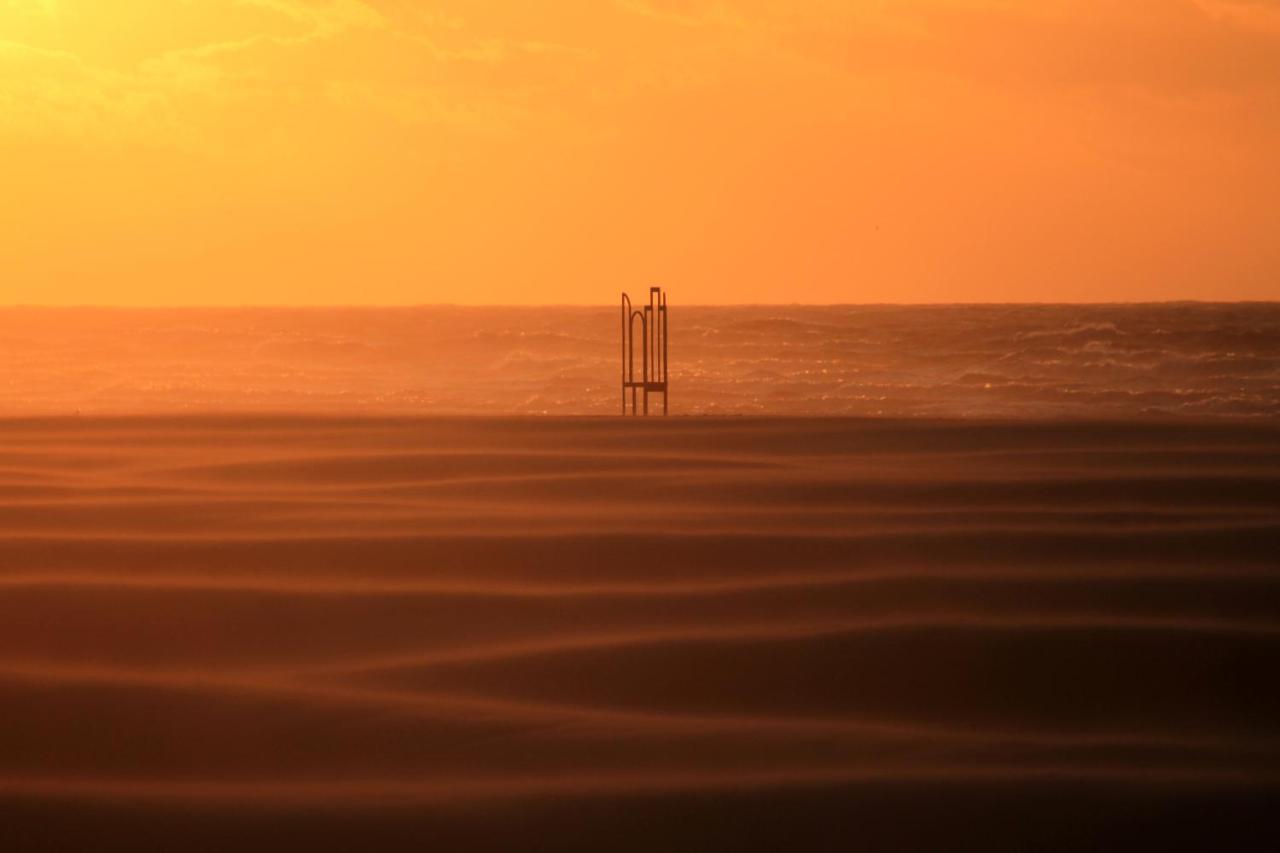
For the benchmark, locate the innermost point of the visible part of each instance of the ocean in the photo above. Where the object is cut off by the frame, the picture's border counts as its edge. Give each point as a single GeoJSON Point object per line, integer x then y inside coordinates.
{"type": "Point", "coordinates": [1016, 361]}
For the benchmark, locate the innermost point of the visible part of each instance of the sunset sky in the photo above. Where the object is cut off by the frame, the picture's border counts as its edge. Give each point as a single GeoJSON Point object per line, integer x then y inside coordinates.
{"type": "Point", "coordinates": [387, 151]}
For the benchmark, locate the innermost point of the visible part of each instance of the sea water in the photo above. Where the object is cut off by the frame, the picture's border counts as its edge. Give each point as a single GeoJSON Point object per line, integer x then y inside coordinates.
{"type": "Point", "coordinates": [1175, 359]}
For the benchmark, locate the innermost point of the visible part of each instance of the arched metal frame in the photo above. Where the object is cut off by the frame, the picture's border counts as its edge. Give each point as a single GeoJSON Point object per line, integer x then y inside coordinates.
{"type": "Point", "coordinates": [653, 352]}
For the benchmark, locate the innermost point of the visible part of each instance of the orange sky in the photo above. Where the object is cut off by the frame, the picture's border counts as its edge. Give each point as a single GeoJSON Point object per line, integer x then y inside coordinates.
{"type": "Point", "coordinates": [388, 151]}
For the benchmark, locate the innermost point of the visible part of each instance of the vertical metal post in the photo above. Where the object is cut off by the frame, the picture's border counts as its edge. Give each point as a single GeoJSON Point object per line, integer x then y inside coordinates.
{"type": "Point", "coordinates": [656, 372]}
{"type": "Point", "coordinates": [644, 360]}
{"type": "Point", "coordinates": [648, 331]}
{"type": "Point", "coordinates": [626, 312]}
{"type": "Point", "coordinates": [666, 375]}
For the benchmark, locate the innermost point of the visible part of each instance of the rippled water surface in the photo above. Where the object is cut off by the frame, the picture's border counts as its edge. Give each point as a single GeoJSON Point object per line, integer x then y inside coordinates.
{"type": "Point", "coordinates": [996, 360]}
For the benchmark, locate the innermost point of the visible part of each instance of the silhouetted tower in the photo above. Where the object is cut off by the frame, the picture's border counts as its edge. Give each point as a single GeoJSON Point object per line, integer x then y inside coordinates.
{"type": "Point", "coordinates": [653, 351]}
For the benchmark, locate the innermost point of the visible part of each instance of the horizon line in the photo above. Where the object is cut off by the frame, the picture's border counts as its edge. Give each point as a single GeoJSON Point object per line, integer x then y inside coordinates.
{"type": "Point", "coordinates": [597, 305]}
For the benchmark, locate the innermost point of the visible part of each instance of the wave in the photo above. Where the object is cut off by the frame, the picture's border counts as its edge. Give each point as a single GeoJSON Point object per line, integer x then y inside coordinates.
{"type": "Point", "coordinates": [1187, 360]}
